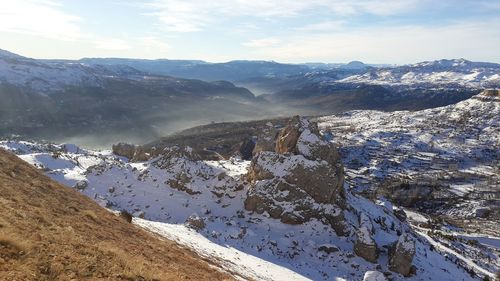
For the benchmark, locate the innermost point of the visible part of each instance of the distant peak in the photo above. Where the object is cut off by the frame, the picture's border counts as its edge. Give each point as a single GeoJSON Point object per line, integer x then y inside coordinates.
{"type": "Point", "coordinates": [7, 54]}
{"type": "Point", "coordinates": [354, 65]}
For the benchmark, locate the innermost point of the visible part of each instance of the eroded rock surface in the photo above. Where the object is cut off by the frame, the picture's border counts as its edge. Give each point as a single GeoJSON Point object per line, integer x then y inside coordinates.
{"type": "Point", "coordinates": [402, 255]}
{"type": "Point", "coordinates": [300, 180]}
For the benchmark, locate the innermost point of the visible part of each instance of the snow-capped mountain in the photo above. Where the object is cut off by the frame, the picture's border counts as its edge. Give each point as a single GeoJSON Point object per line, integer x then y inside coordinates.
{"type": "Point", "coordinates": [44, 77]}
{"type": "Point", "coordinates": [453, 73]}
{"type": "Point", "coordinates": [288, 214]}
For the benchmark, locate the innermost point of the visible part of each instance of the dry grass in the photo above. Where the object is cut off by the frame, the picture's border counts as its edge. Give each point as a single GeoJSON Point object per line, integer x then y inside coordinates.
{"type": "Point", "coordinates": [51, 232]}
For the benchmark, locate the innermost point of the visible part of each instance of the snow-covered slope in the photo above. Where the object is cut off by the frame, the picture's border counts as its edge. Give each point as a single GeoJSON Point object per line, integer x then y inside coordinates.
{"type": "Point", "coordinates": [441, 74]}
{"type": "Point", "coordinates": [178, 187]}
{"type": "Point", "coordinates": [456, 147]}
{"type": "Point", "coordinates": [44, 76]}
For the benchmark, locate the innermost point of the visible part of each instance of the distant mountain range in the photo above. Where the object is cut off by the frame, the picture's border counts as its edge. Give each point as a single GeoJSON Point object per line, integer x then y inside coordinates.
{"type": "Point", "coordinates": [141, 100]}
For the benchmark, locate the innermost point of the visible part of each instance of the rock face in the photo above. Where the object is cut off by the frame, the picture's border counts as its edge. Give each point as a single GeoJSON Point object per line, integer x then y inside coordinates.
{"type": "Point", "coordinates": [288, 137]}
{"type": "Point", "coordinates": [401, 256]}
{"type": "Point", "coordinates": [300, 180]}
{"type": "Point", "coordinates": [365, 245]}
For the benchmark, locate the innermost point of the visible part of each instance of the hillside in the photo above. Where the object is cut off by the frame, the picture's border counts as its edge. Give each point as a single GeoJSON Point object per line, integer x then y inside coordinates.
{"type": "Point", "coordinates": [103, 104]}
{"type": "Point", "coordinates": [291, 213]}
{"type": "Point", "coordinates": [48, 232]}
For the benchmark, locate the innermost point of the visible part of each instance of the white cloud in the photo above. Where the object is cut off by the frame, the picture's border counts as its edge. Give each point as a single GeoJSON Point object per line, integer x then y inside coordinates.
{"type": "Point", "coordinates": [261, 43]}
{"type": "Point", "coordinates": [323, 26]}
{"type": "Point", "coordinates": [399, 44]}
{"type": "Point", "coordinates": [195, 15]}
{"type": "Point", "coordinates": [39, 18]}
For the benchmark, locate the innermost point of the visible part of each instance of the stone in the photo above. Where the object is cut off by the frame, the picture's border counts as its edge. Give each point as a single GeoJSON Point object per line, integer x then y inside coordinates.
{"type": "Point", "coordinates": [365, 245]}
{"type": "Point", "coordinates": [302, 176]}
{"type": "Point", "coordinates": [81, 185]}
{"type": "Point", "coordinates": [482, 212]}
{"type": "Point", "coordinates": [374, 276]}
{"type": "Point", "coordinates": [124, 149]}
{"type": "Point", "coordinates": [491, 93]}
{"type": "Point", "coordinates": [286, 141]}
{"type": "Point", "coordinates": [126, 216]}
{"type": "Point", "coordinates": [195, 222]}
{"type": "Point", "coordinates": [181, 183]}
{"type": "Point", "coordinates": [328, 248]}
{"type": "Point", "coordinates": [264, 143]}
{"type": "Point", "coordinates": [400, 214]}
{"type": "Point", "coordinates": [401, 255]}
{"type": "Point", "coordinates": [318, 179]}
{"type": "Point", "coordinates": [246, 149]}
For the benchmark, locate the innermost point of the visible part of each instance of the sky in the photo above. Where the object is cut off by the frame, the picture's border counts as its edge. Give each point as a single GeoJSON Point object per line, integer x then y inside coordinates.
{"type": "Point", "coordinates": [293, 31]}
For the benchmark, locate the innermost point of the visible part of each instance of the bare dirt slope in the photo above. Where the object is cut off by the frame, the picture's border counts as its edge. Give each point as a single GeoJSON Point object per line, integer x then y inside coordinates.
{"type": "Point", "coordinates": [51, 232]}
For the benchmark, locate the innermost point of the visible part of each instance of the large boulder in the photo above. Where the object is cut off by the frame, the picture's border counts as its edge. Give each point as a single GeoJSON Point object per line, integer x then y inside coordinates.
{"type": "Point", "coordinates": [124, 149]}
{"type": "Point", "coordinates": [322, 182]}
{"type": "Point", "coordinates": [130, 151]}
{"type": "Point", "coordinates": [195, 222]}
{"type": "Point", "coordinates": [401, 256]}
{"type": "Point", "coordinates": [264, 143]}
{"type": "Point", "coordinates": [374, 276]}
{"type": "Point", "coordinates": [491, 93]}
{"type": "Point", "coordinates": [365, 245]}
{"type": "Point", "coordinates": [300, 180]}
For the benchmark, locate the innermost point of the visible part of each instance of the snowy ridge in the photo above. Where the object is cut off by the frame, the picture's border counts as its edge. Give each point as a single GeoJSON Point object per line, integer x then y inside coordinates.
{"type": "Point", "coordinates": [456, 74]}
{"type": "Point", "coordinates": [47, 76]}
{"type": "Point", "coordinates": [44, 77]}
{"type": "Point", "coordinates": [443, 73]}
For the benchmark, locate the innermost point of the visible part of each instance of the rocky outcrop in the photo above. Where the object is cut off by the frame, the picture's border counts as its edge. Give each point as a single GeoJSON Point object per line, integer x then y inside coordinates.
{"type": "Point", "coordinates": [124, 149]}
{"type": "Point", "coordinates": [130, 151]}
{"type": "Point", "coordinates": [491, 93]}
{"type": "Point", "coordinates": [401, 255]}
{"type": "Point", "coordinates": [181, 183]}
{"type": "Point", "coordinates": [195, 222]}
{"type": "Point", "coordinates": [365, 245]}
{"type": "Point", "coordinates": [300, 180]}
{"type": "Point", "coordinates": [316, 179]}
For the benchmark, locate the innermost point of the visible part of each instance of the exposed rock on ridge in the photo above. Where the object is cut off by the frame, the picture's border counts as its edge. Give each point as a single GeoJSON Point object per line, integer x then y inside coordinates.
{"type": "Point", "coordinates": [300, 180]}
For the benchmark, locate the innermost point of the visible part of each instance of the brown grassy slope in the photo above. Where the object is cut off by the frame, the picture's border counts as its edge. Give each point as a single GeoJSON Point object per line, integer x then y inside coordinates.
{"type": "Point", "coordinates": [51, 232]}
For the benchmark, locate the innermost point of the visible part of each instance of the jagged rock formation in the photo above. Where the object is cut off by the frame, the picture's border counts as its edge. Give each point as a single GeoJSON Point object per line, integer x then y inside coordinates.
{"type": "Point", "coordinates": [299, 181]}
{"type": "Point", "coordinates": [401, 256]}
